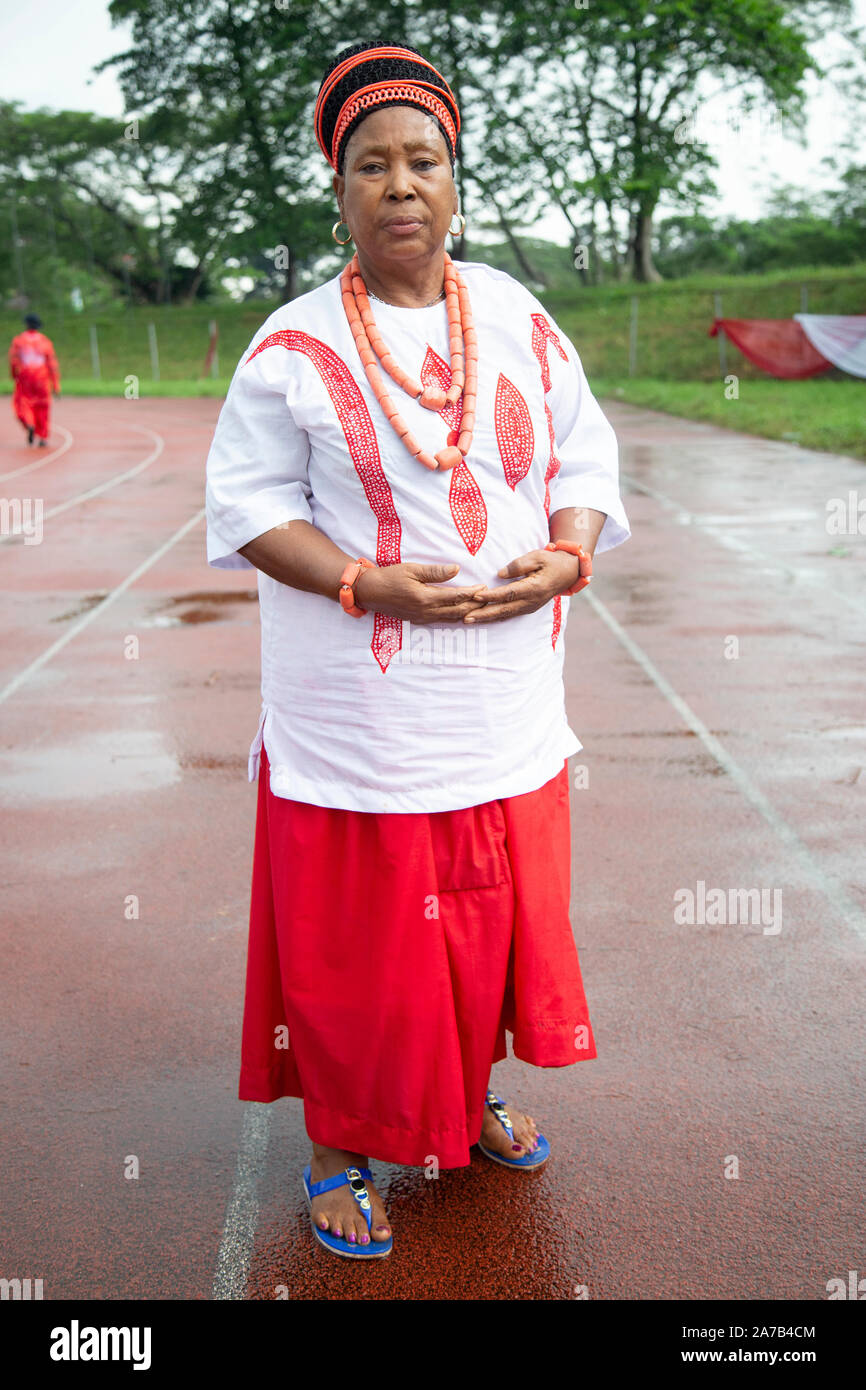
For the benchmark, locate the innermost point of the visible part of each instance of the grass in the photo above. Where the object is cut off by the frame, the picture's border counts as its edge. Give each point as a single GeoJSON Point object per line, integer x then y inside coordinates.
{"type": "Point", "coordinates": [123, 341]}
{"type": "Point", "coordinates": [674, 318]}
{"type": "Point", "coordinates": [678, 366]}
{"type": "Point", "coordinates": [816, 414]}
{"type": "Point", "coordinates": [90, 386]}
{"type": "Point", "coordinates": [828, 415]}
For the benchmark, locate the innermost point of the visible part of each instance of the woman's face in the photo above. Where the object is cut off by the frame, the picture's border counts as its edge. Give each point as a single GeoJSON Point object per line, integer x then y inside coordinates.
{"type": "Point", "coordinates": [396, 165]}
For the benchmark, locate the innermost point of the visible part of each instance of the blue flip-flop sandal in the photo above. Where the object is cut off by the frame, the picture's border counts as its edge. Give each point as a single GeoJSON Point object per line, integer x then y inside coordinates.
{"type": "Point", "coordinates": [528, 1160]}
{"type": "Point", "coordinates": [338, 1245]}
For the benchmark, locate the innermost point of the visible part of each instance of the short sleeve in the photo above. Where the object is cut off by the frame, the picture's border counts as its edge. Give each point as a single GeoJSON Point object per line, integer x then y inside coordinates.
{"type": "Point", "coordinates": [586, 446]}
{"type": "Point", "coordinates": [257, 474]}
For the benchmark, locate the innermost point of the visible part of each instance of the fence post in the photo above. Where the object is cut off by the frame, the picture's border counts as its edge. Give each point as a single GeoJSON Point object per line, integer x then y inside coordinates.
{"type": "Point", "coordinates": [632, 338]}
{"type": "Point", "coordinates": [215, 358]}
{"type": "Point", "coordinates": [723, 349]}
{"type": "Point", "coordinates": [58, 293]}
{"type": "Point", "coordinates": [94, 352]}
{"type": "Point", "coordinates": [154, 351]}
{"type": "Point", "coordinates": [16, 252]}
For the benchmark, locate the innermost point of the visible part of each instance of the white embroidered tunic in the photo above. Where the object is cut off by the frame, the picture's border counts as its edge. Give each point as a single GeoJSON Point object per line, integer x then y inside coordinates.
{"type": "Point", "coordinates": [371, 713]}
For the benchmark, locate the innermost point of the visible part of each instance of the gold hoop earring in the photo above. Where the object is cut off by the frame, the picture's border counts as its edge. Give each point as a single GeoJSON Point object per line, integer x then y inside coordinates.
{"type": "Point", "coordinates": [462, 225]}
{"type": "Point", "coordinates": [341, 223]}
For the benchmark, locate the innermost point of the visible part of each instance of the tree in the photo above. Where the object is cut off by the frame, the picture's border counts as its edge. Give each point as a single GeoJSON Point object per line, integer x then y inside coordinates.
{"type": "Point", "coordinates": [628, 74]}
{"type": "Point", "coordinates": [588, 109]}
{"type": "Point", "coordinates": [827, 228]}
{"type": "Point", "coordinates": [245, 76]}
{"type": "Point", "coordinates": [76, 183]}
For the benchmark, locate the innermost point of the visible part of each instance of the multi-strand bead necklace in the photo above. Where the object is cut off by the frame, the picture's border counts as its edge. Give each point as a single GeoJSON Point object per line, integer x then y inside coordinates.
{"type": "Point", "coordinates": [463, 346]}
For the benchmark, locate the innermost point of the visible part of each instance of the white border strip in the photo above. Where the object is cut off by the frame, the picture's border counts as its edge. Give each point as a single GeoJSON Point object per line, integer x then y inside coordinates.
{"type": "Point", "coordinates": [41, 462]}
{"type": "Point", "coordinates": [109, 483]}
{"type": "Point", "coordinates": [768, 562]}
{"type": "Point", "coordinates": [118, 477]}
{"type": "Point", "coordinates": [40, 661]}
{"type": "Point", "coordinates": [242, 1212]}
{"type": "Point", "coordinates": [848, 910]}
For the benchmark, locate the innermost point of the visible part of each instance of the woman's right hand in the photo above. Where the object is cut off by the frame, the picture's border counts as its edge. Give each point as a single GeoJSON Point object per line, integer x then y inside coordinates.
{"type": "Point", "coordinates": [416, 593]}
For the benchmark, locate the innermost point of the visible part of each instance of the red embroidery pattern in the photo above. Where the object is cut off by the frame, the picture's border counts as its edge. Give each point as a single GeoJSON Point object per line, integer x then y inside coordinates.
{"type": "Point", "coordinates": [435, 371]}
{"type": "Point", "coordinates": [553, 468]}
{"type": "Point", "coordinates": [557, 619]}
{"type": "Point", "coordinates": [553, 463]}
{"type": "Point", "coordinates": [542, 334]}
{"type": "Point", "coordinates": [464, 494]}
{"type": "Point", "coordinates": [513, 431]}
{"type": "Point", "coordinates": [360, 435]}
{"type": "Point", "coordinates": [467, 508]}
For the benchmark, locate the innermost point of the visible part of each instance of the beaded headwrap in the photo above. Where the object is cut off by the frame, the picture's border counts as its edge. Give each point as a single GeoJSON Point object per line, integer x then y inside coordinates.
{"type": "Point", "coordinates": [380, 75]}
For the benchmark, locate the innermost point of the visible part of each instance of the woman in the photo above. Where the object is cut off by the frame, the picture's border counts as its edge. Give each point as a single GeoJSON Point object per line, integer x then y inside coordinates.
{"type": "Point", "coordinates": [33, 367]}
{"type": "Point", "coordinates": [395, 444]}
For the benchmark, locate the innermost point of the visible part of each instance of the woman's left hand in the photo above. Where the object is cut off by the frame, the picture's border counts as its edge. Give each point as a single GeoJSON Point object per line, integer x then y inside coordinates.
{"type": "Point", "coordinates": [538, 577]}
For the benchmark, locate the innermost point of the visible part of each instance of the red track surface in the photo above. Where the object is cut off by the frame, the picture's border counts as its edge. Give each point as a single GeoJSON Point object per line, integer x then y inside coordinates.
{"type": "Point", "coordinates": [119, 777]}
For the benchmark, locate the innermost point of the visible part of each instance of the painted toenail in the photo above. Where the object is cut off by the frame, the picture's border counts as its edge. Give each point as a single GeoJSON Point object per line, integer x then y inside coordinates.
{"type": "Point", "coordinates": [365, 1240]}
{"type": "Point", "coordinates": [381, 1228]}
{"type": "Point", "coordinates": [338, 1231]}
{"type": "Point", "coordinates": [516, 1147]}
{"type": "Point", "coordinates": [352, 1238]}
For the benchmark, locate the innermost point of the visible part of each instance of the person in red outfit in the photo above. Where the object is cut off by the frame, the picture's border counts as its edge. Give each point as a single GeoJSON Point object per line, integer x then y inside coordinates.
{"type": "Point", "coordinates": [33, 367]}
{"type": "Point", "coordinates": [412, 859]}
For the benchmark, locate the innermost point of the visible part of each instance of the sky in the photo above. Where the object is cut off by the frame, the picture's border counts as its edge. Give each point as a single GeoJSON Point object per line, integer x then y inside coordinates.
{"type": "Point", "coordinates": [74, 35]}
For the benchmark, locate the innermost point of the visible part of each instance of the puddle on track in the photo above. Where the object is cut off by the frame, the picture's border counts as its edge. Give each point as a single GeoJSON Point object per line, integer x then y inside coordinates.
{"type": "Point", "coordinates": [84, 606]}
{"type": "Point", "coordinates": [121, 762]}
{"type": "Point", "coordinates": [204, 606]}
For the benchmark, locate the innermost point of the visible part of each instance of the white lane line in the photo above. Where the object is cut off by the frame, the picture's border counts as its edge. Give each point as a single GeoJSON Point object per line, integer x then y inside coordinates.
{"type": "Point", "coordinates": [242, 1212]}
{"type": "Point", "coordinates": [40, 661]}
{"type": "Point", "coordinates": [103, 487]}
{"type": "Point", "coordinates": [41, 462]}
{"type": "Point", "coordinates": [848, 910]}
{"type": "Point", "coordinates": [768, 562]}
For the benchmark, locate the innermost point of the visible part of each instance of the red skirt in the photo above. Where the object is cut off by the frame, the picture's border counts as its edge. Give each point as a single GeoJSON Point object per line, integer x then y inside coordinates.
{"type": "Point", "coordinates": [388, 955]}
{"type": "Point", "coordinates": [31, 402]}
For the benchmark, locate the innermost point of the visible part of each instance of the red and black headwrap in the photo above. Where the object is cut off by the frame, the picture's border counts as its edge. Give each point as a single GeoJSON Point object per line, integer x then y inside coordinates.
{"type": "Point", "coordinates": [367, 76]}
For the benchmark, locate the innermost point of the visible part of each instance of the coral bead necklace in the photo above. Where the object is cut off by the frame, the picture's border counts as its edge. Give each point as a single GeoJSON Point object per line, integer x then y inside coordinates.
{"type": "Point", "coordinates": [463, 345]}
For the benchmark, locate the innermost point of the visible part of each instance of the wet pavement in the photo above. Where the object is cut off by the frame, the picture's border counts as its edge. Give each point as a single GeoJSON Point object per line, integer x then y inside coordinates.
{"type": "Point", "coordinates": [714, 1149]}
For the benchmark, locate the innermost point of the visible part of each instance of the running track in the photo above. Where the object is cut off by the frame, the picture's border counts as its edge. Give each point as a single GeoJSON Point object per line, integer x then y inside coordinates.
{"type": "Point", "coordinates": [127, 777]}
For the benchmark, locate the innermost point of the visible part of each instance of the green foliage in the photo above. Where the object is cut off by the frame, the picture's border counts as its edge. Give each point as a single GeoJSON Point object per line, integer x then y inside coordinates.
{"type": "Point", "coordinates": [627, 76]}
{"type": "Point", "coordinates": [673, 323]}
{"type": "Point", "coordinates": [829, 229]}
{"type": "Point", "coordinates": [569, 108]}
{"type": "Point", "coordinates": [244, 78]}
{"type": "Point", "coordinates": [674, 319]}
{"type": "Point", "coordinates": [816, 414]}
{"type": "Point", "coordinates": [73, 183]}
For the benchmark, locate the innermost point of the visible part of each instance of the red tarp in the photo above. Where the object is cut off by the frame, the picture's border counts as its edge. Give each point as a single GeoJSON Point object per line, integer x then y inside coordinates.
{"type": "Point", "coordinates": [777, 346]}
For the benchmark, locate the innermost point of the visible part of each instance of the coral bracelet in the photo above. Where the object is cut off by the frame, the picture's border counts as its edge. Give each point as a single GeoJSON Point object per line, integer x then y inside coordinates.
{"type": "Point", "coordinates": [585, 564]}
{"type": "Point", "coordinates": [348, 579]}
